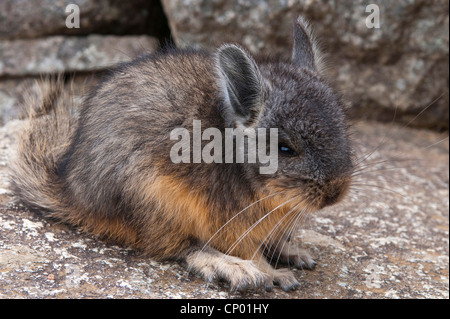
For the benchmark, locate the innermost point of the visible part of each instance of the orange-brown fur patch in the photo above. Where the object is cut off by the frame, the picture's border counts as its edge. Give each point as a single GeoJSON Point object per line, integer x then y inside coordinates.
{"type": "Point", "coordinates": [182, 204]}
{"type": "Point", "coordinates": [188, 208]}
{"type": "Point", "coordinates": [111, 229]}
{"type": "Point", "coordinates": [190, 215]}
{"type": "Point", "coordinates": [272, 229]}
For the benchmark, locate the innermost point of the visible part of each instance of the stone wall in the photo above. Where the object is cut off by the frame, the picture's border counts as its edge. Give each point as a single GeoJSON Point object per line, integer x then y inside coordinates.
{"type": "Point", "coordinates": [391, 72]}
{"type": "Point", "coordinates": [35, 41]}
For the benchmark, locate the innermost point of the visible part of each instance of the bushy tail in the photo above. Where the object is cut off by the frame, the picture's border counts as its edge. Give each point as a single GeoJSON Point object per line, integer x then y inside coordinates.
{"type": "Point", "coordinates": [44, 140]}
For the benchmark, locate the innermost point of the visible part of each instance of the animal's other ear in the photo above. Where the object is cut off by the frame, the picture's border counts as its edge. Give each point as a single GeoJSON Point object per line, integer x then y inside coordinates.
{"type": "Point", "coordinates": [305, 53]}
{"type": "Point", "coordinates": [242, 86]}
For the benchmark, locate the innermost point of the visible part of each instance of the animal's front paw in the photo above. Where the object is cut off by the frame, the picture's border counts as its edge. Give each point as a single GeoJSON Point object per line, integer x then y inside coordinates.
{"type": "Point", "coordinates": [285, 279]}
{"type": "Point", "coordinates": [297, 257]}
{"type": "Point", "coordinates": [241, 274]}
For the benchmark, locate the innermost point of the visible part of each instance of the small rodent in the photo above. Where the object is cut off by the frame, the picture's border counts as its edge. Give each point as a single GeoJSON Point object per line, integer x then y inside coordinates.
{"type": "Point", "coordinates": [106, 168]}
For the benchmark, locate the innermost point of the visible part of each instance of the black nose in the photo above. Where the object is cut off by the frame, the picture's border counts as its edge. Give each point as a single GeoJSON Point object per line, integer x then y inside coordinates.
{"type": "Point", "coordinates": [331, 199]}
{"type": "Point", "coordinates": [334, 191]}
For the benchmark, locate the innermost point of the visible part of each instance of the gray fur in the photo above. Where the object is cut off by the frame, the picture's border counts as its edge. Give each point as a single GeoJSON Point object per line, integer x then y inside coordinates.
{"type": "Point", "coordinates": [243, 87]}
{"type": "Point", "coordinates": [108, 171]}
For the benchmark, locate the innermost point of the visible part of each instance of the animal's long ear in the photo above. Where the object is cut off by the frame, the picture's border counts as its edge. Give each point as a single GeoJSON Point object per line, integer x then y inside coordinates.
{"type": "Point", "coordinates": [242, 86]}
{"type": "Point", "coordinates": [305, 53]}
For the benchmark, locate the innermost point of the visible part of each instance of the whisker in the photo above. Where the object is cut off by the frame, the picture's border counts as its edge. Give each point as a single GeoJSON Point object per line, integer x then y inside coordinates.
{"type": "Point", "coordinates": [271, 233]}
{"type": "Point", "coordinates": [369, 173]}
{"type": "Point", "coordinates": [232, 218]}
{"type": "Point", "coordinates": [267, 245]}
{"type": "Point", "coordinates": [370, 153]}
{"type": "Point", "coordinates": [425, 108]}
{"type": "Point", "coordinates": [380, 187]}
{"type": "Point", "coordinates": [371, 164]}
{"type": "Point", "coordinates": [291, 227]}
{"type": "Point", "coordinates": [364, 157]}
{"type": "Point", "coordinates": [299, 220]}
{"type": "Point", "coordinates": [256, 224]}
{"type": "Point", "coordinates": [440, 141]}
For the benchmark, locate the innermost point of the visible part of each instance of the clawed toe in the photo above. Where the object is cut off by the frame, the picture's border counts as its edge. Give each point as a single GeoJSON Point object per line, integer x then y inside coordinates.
{"type": "Point", "coordinates": [301, 259]}
{"type": "Point", "coordinates": [305, 263]}
{"type": "Point", "coordinates": [285, 279]}
{"type": "Point", "coordinates": [239, 273]}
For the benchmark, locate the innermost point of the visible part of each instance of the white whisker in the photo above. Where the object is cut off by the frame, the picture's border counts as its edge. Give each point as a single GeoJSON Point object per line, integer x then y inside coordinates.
{"type": "Point", "coordinates": [232, 218]}
{"type": "Point", "coordinates": [290, 227]}
{"type": "Point", "coordinates": [267, 238]}
{"type": "Point", "coordinates": [256, 224]}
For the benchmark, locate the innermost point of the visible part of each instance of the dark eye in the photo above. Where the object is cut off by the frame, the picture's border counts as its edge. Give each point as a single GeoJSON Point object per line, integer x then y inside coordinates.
{"type": "Point", "coordinates": [286, 150]}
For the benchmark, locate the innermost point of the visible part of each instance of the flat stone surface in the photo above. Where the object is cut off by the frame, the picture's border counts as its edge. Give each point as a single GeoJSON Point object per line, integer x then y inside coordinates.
{"type": "Point", "coordinates": [388, 239]}
{"type": "Point", "coordinates": [38, 18]}
{"type": "Point", "coordinates": [68, 54]}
